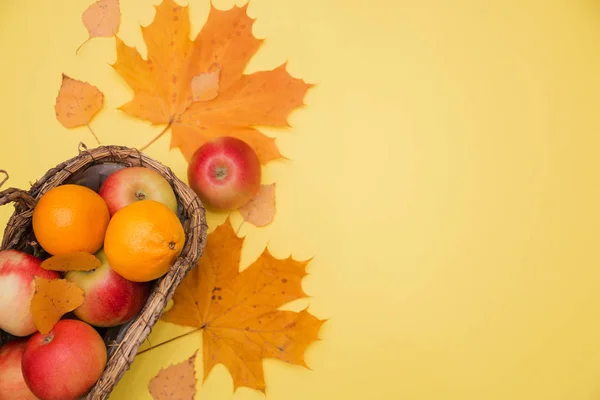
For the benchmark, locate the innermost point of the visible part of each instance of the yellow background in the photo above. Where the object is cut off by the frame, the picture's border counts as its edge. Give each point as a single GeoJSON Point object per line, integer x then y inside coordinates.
{"type": "Point", "coordinates": [444, 176]}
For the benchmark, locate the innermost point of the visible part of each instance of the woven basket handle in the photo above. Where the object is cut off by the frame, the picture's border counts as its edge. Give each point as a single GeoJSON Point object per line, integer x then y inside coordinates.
{"type": "Point", "coordinates": [14, 195]}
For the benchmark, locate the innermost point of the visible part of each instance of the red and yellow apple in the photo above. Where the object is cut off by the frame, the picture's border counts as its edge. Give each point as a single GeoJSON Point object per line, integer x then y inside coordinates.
{"type": "Point", "coordinates": [12, 384]}
{"type": "Point", "coordinates": [127, 185]}
{"type": "Point", "coordinates": [225, 173]}
{"type": "Point", "coordinates": [17, 270]}
{"type": "Point", "coordinates": [65, 363]}
{"type": "Point", "coordinates": [110, 299]}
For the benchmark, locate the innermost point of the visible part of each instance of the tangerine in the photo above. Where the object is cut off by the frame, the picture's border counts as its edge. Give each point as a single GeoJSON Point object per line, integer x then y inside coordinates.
{"type": "Point", "coordinates": [143, 240]}
{"type": "Point", "coordinates": [70, 218]}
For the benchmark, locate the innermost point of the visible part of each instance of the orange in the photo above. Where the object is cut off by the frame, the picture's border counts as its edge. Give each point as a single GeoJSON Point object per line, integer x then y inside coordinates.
{"type": "Point", "coordinates": [70, 218]}
{"type": "Point", "coordinates": [143, 240]}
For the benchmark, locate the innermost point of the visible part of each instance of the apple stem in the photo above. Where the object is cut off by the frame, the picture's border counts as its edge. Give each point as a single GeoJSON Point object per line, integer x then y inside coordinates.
{"type": "Point", "coordinates": [221, 173]}
{"type": "Point", "coordinates": [158, 136]}
{"type": "Point", "coordinates": [37, 252]}
{"type": "Point", "coordinates": [140, 195]}
{"type": "Point", "coordinates": [48, 338]}
{"type": "Point", "coordinates": [170, 340]}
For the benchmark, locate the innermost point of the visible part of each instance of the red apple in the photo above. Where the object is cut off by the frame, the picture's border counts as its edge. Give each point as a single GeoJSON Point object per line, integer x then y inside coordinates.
{"type": "Point", "coordinates": [110, 299]}
{"type": "Point", "coordinates": [127, 185]}
{"type": "Point", "coordinates": [12, 384]}
{"type": "Point", "coordinates": [65, 363]}
{"type": "Point", "coordinates": [17, 270]}
{"type": "Point", "coordinates": [225, 173]}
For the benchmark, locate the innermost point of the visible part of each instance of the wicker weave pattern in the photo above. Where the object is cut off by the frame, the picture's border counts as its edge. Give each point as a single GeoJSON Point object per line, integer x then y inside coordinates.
{"type": "Point", "coordinates": [123, 342]}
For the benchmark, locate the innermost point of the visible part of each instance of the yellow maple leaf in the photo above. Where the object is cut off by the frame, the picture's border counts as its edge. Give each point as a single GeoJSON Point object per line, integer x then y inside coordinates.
{"type": "Point", "coordinates": [238, 312]}
{"type": "Point", "coordinates": [178, 69]}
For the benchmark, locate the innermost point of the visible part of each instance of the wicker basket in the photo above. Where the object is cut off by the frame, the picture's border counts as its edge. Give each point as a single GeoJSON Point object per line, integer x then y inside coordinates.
{"type": "Point", "coordinates": [122, 341]}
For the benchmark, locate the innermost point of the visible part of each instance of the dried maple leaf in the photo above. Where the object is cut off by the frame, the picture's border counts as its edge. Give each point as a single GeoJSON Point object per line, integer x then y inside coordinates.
{"type": "Point", "coordinates": [77, 103]}
{"type": "Point", "coordinates": [164, 93]}
{"type": "Point", "coordinates": [260, 210]}
{"type": "Point", "coordinates": [79, 261]}
{"type": "Point", "coordinates": [238, 312]}
{"type": "Point", "coordinates": [52, 299]}
{"type": "Point", "coordinates": [177, 382]}
{"type": "Point", "coordinates": [101, 19]}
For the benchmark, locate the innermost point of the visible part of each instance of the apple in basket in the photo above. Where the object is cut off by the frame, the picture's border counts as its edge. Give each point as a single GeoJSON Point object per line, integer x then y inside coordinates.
{"type": "Point", "coordinates": [128, 185]}
{"type": "Point", "coordinates": [17, 272]}
{"type": "Point", "coordinates": [12, 383]}
{"type": "Point", "coordinates": [65, 363]}
{"type": "Point", "coordinates": [110, 299]}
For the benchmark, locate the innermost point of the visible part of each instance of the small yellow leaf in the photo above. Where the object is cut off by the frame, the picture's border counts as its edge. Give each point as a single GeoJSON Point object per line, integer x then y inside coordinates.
{"type": "Point", "coordinates": [52, 299]}
{"type": "Point", "coordinates": [102, 19]}
{"type": "Point", "coordinates": [177, 382]}
{"type": "Point", "coordinates": [79, 261]}
{"type": "Point", "coordinates": [77, 102]}
{"type": "Point", "coordinates": [260, 210]}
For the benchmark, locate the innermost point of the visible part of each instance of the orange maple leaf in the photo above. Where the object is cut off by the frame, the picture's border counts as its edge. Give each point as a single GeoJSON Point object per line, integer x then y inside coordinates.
{"type": "Point", "coordinates": [166, 84]}
{"type": "Point", "coordinates": [238, 311]}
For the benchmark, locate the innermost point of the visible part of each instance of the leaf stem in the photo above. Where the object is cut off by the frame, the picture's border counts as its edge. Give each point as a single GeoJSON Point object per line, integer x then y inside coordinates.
{"type": "Point", "coordinates": [169, 341]}
{"type": "Point", "coordinates": [157, 137]}
{"type": "Point", "coordinates": [94, 134]}
{"type": "Point", "coordinates": [3, 181]}
{"type": "Point", "coordinates": [81, 45]}
{"type": "Point", "coordinates": [239, 227]}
